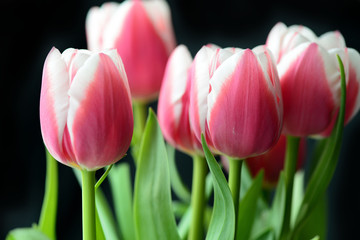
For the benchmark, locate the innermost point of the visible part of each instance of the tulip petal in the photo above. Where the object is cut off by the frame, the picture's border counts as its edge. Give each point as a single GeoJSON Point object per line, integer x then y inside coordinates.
{"type": "Point", "coordinates": [353, 87]}
{"type": "Point", "coordinates": [331, 40]}
{"type": "Point", "coordinates": [310, 89]}
{"type": "Point", "coordinates": [54, 103]}
{"type": "Point", "coordinates": [96, 21]}
{"type": "Point", "coordinates": [274, 39]}
{"type": "Point", "coordinates": [200, 75]}
{"type": "Point", "coordinates": [173, 107]}
{"type": "Point", "coordinates": [160, 16]}
{"type": "Point", "coordinates": [138, 43]}
{"type": "Point", "coordinates": [249, 124]}
{"type": "Point", "coordinates": [99, 102]}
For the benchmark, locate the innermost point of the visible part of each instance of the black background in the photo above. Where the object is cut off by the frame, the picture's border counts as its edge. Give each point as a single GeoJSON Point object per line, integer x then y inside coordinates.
{"type": "Point", "coordinates": [30, 28]}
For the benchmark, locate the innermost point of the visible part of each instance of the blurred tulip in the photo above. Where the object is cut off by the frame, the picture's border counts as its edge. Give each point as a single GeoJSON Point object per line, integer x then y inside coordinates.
{"type": "Point", "coordinates": [235, 100]}
{"type": "Point", "coordinates": [310, 78]}
{"type": "Point", "coordinates": [85, 108]}
{"type": "Point", "coordinates": [273, 161]}
{"type": "Point", "coordinates": [142, 33]}
{"type": "Point", "coordinates": [173, 104]}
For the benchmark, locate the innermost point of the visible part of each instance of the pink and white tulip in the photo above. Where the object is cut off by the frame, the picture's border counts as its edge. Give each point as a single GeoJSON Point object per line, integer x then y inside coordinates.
{"type": "Point", "coordinates": [85, 108]}
{"type": "Point", "coordinates": [310, 78]}
{"type": "Point", "coordinates": [236, 100]}
{"type": "Point", "coordinates": [142, 33]}
{"type": "Point", "coordinates": [173, 104]}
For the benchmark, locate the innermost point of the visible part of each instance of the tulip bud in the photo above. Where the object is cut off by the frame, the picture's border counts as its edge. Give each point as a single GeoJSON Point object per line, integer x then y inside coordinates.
{"type": "Point", "coordinates": [273, 162]}
{"type": "Point", "coordinates": [173, 104]}
{"type": "Point", "coordinates": [235, 100]}
{"type": "Point", "coordinates": [310, 78]}
{"type": "Point", "coordinates": [85, 108]}
{"type": "Point", "coordinates": [142, 33]}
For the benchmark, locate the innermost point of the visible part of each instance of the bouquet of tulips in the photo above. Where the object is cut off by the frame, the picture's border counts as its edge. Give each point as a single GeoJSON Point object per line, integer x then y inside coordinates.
{"type": "Point", "coordinates": [243, 115]}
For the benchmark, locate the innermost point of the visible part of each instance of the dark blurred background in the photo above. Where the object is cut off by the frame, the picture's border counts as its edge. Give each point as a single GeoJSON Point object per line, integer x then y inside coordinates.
{"type": "Point", "coordinates": [30, 28]}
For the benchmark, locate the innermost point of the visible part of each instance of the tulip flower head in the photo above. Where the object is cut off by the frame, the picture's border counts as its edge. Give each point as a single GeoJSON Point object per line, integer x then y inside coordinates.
{"type": "Point", "coordinates": [173, 104]}
{"type": "Point", "coordinates": [142, 33]}
{"type": "Point", "coordinates": [85, 108]}
{"type": "Point", "coordinates": [310, 78]}
{"type": "Point", "coordinates": [235, 100]}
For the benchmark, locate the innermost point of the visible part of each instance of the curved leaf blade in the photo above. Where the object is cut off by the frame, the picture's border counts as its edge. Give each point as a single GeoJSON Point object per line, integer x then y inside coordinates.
{"type": "Point", "coordinates": [222, 224]}
{"type": "Point", "coordinates": [152, 195]}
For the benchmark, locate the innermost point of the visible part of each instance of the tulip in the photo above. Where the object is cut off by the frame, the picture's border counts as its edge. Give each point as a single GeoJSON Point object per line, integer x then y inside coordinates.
{"type": "Point", "coordinates": [173, 104]}
{"type": "Point", "coordinates": [273, 162]}
{"type": "Point", "coordinates": [142, 33]}
{"type": "Point", "coordinates": [310, 78]}
{"type": "Point", "coordinates": [85, 108]}
{"type": "Point", "coordinates": [235, 100]}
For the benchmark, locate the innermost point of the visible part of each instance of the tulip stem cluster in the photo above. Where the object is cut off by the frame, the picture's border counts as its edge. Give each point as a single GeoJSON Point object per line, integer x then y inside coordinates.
{"type": "Point", "coordinates": [200, 170]}
{"type": "Point", "coordinates": [140, 115]}
{"type": "Point", "coordinates": [235, 166]}
{"type": "Point", "coordinates": [289, 170]}
{"type": "Point", "coordinates": [88, 199]}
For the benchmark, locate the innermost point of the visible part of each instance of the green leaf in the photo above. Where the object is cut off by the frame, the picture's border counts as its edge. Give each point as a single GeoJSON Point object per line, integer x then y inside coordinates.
{"type": "Point", "coordinates": [47, 221]}
{"type": "Point", "coordinates": [152, 195]}
{"type": "Point", "coordinates": [222, 224]}
{"type": "Point", "coordinates": [325, 168]}
{"type": "Point", "coordinates": [177, 185]}
{"type": "Point", "coordinates": [278, 207]}
{"type": "Point", "coordinates": [120, 183]}
{"type": "Point", "coordinates": [267, 234]}
{"type": "Point", "coordinates": [26, 234]}
{"type": "Point", "coordinates": [247, 208]}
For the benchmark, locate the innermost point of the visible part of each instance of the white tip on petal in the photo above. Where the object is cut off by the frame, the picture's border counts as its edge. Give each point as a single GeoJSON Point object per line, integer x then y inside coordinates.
{"type": "Point", "coordinates": [160, 16]}
{"type": "Point", "coordinates": [275, 37]}
{"type": "Point", "coordinates": [354, 59]}
{"type": "Point", "coordinates": [96, 21]}
{"type": "Point", "coordinates": [54, 92]}
{"type": "Point", "coordinates": [331, 40]}
{"type": "Point", "coordinates": [115, 23]}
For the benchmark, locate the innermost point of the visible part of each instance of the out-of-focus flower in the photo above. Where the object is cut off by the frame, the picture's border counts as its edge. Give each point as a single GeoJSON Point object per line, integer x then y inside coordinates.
{"type": "Point", "coordinates": [85, 108]}
{"type": "Point", "coordinates": [310, 78]}
{"type": "Point", "coordinates": [173, 104]}
{"type": "Point", "coordinates": [142, 33]}
{"type": "Point", "coordinates": [235, 100]}
{"type": "Point", "coordinates": [273, 161]}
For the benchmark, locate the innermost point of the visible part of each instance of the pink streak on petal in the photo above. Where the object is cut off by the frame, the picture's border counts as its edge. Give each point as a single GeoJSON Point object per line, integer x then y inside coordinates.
{"type": "Point", "coordinates": [143, 52]}
{"type": "Point", "coordinates": [103, 124]}
{"type": "Point", "coordinates": [244, 119]}
{"type": "Point", "coordinates": [307, 97]}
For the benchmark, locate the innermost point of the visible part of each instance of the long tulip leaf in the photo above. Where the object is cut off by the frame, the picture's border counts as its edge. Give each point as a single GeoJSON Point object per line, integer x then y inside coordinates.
{"type": "Point", "coordinates": [247, 208]}
{"type": "Point", "coordinates": [152, 195]}
{"type": "Point", "coordinates": [222, 224]}
{"type": "Point", "coordinates": [120, 183]}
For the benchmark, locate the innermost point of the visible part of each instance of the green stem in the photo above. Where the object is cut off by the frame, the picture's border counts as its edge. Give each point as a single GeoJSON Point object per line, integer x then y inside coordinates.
{"type": "Point", "coordinates": [88, 204]}
{"type": "Point", "coordinates": [292, 147]}
{"type": "Point", "coordinates": [235, 166]}
{"type": "Point", "coordinates": [47, 221]}
{"type": "Point", "coordinates": [200, 170]}
{"type": "Point", "coordinates": [140, 115]}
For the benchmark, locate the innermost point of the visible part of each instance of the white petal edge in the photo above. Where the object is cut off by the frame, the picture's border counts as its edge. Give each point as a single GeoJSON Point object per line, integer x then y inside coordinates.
{"type": "Point", "coordinates": [58, 83]}
{"type": "Point", "coordinates": [160, 15]}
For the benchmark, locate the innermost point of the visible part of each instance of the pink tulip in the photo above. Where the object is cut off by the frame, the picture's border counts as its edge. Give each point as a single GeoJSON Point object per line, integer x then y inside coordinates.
{"type": "Point", "coordinates": [235, 100]}
{"type": "Point", "coordinates": [273, 162]}
{"type": "Point", "coordinates": [142, 33]}
{"type": "Point", "coordinates": [310, 78]}
{"type": "Point", "coordinates": [173, 104]}
{"type": "Point", "coordinates": [85, 108]}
